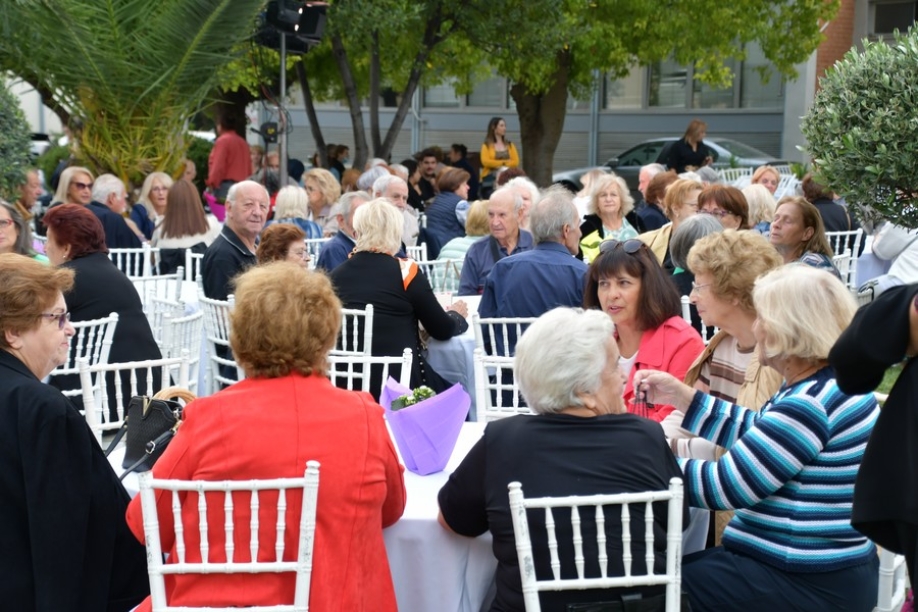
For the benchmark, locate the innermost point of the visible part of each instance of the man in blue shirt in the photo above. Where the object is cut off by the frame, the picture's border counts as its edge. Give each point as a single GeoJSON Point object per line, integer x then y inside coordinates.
{"type": "Point", "coordinates": [505, 211]}
{"type": "Point", "coordinates": [532, 283]}
{"type": "Point", "coordinates": [336, 251]}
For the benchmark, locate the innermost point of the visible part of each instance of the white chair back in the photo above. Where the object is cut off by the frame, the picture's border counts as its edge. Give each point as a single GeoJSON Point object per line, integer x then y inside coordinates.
{"type": "Point", "coordinates": [783, 169]}
{"type": "Point", "coordinates": [442, 274]}
{"type": "Point", "coordinates": [156, 309]}
{"type": "Point", "coordinates": [499, 335]}
{"type": "Point", "coordinates": [135, 262]}
{"type": "Point", "coordinates": [92, 342]}
{"type": "Point", "coordinates": [732, 175]}
{"type": "Point", "coordinates": [185, 333]}
{"type": "Point", "coordinates": [130, 378]}
{"type": "Point", "coordinates": [314, 248]}
{"type": "Point", "coordinates": [355, 372]}
{"type": "Point", "coordinates": [356, 335]}
{"type": "Point", "coordinates": [597, 516]}
{"type": "Point", "coordinates": [417, 253]}
{"type": "Point", "coordinates": [687, 317]}
{"type": "Point", "coordinates": [846, 268]}
{"type": "Point", "coordinates": [164, 287]}
{"type": "Point", "coordinates": [852, 241]}
{"type": "Point", "coordinates": [893, 584]}
{"type": "Point", "coordinates": [497, 393]}
{"type": "Point", "coordinates": [193, 265]}
{"type": "Point", "coordinates": [221, 494]}
{"type": "Point", "coordinates": [787, 186]}
{"type": "Point", "coordinates": [217, 333]}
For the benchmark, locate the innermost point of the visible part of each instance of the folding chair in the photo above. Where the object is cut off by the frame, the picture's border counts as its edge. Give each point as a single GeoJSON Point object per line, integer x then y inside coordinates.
{"type": "Point", "coordinates": [92, 342]}
{"type": "Point", "coordinates": [105, 398]}
{"type": "Point", "coordinates": [732, 175]}
{"type": "Point", "coordinates": [532, 585]}
{"type": "Point", "coordinates": [314, 248]}
{"type": "Point", "coordinates": [223, 369]}
{"type": "Point", "coordinates": [893, 583]}
{"type": "Point", "coordinates": [356, 335]}
{"type": "Point", "coordinates": [442, 274]}
{"type": "Point", "coordinates": [366, 373]}
{"type": "Point", "coordinates": [193, 265]}
{"type": "Point", "coordinates": [135, 262]}
{"type": "Point", "coordinates": [497, 395]}
{"type": "Point", "coordinates": [157, 309]}
{"type": "Point", "coordinates": [498, 336]}
{"type": "Point", "coordinates": [846, 268]}
{"type": "Point", "coordinates": [687, 317]}
{"type": "Point", "coordinates": [417, 253]}
{"type": "Point", "coordinates": [237, 502]}
{"type": "Point", "coordinates": [185, 333]}
{"type": "Point", "coordinates": [164, 287]}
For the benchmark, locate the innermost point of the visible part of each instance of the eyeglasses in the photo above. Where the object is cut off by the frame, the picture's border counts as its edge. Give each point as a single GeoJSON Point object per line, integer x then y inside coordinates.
{"type": "Point", "coordinates": [62, 317]}
{"type": "Point", "coordinates": [696, 288]}
{"type": "Point", "coordinates": [720, 213]}
{"type": "Point", "coordinates": [304, 254]}
{"type": "Point", "coordinates": [630, 246]}
{"type": "Point", "coordinates": [4, 223]}
{"type": "Point", "coordinates": [81, 186]}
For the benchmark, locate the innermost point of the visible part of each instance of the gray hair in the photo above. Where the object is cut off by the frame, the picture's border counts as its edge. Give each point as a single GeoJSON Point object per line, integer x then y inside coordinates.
{"type": "Point", "coordinates": [347, 201]}
{"type": "Point", "coordinates": [708, 175]}
{"type": "Point", "coordinates": [577, 340]}
{"type": "Point", "coordinates": [292, 202]}
{"type": "Point", "coordinates": [23, 244]}
{"type": "Point", "coordinates": [400, 171]}
{"type": "Point", "coordinates": [366, 180]}
{"type": "Point", "coordinates": [522, 181]}
{"type": "Point", "coordinates": [690, 231]}
{"type": "Point", "coordinates": [231, 194]}
{"type": "Point", "coordinates": [761, 204]}
{"type": "Point", "coordinates": [378, 225]}
{"type": "Point", "coordinates": [691, 176]}
{"type": "Point", "coordinates": [106, 185]}
{"type": "Point", "coordinates": [653, 169]}
{"type": "Point", "coordinates": [550, 214]}
{"type": "Point", "coordinates": [381, 184]}
{"type": "Point", "coordinates": [517, 198]}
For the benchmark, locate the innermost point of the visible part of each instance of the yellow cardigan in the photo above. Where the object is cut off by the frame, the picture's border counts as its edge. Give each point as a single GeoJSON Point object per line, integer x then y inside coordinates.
{"type": "Point", "coordinates": [658, 240]}
{"type": "Point", "coordinates": [490, 163]}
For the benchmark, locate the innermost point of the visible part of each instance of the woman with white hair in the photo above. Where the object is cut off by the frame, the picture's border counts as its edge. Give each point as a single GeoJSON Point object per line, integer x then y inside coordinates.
{"type": "Point", "coordinates": [581, 442]}
{"type": "Point", "coordinates": [527, 190]}
{"type": "Point", "coordinates": [150, 208]}
{"type": "Point", "coordinates": [292, 206]}
{"type": "Point", "coordinates": [610, 202]}
{"type": "Point", "coordinates": [788, 470]}
{"type": "Point", "coordinates": [761, 207]}
{"type": "Point", "coordinates": [400, 293]}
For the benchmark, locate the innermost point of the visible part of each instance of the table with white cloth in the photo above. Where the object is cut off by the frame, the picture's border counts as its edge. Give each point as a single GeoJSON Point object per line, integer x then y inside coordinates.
{"type": "Point", "coordinates": [454, 359]}
{"type": "Point", "coordinates": [432, 568]}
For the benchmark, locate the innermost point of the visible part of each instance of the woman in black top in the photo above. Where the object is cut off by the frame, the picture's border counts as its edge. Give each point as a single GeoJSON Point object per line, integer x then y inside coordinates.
{"type": "Point", "coordinates": [690, 152]}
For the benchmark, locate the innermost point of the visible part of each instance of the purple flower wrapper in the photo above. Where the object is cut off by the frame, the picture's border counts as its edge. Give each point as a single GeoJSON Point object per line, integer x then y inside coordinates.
{"type": "Point", "coordinates": [426, 433]}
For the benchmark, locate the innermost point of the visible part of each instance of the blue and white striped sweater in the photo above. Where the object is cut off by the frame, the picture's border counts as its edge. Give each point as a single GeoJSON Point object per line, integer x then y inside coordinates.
{"type": "Point", "coordinates": [789, 473]}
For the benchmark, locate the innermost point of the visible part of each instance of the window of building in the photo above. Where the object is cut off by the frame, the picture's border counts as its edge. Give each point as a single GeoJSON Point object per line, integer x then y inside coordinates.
{"type": "Point", "coordinates": [755, 92]}
{"type": "Point", "coordinates": [489, 93]}
{"type": "Point", "coordinates": [441, 96]}
{"type": "Point", "coordinates": [706, 96]}
{"type": "Point", "coordinates": [668, 84]}
{"type": "Point", "coordinates": [627, 92]}
{"type": "Point", "coordinates": [889, 16]}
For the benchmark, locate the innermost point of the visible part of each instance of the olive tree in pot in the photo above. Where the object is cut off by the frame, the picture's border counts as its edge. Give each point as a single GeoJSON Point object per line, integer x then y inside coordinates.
{"type": "Point", "coordinates": [862, 129]}
{"type": "Point", "coordinates": [15, 142]}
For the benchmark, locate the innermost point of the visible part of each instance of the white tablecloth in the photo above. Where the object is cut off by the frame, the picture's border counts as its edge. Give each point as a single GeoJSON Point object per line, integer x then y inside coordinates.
{"type": "Point", "coordinates": [454, 359]}
{"type": "Point", "coordinates": [432, 569]}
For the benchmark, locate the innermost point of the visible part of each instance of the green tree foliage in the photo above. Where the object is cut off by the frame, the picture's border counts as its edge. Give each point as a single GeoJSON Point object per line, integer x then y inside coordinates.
{"type": "Point", "coordinates": [15, 142]}
{"type": "Point", "coordinates": [132, 71]}
{"type": "Point", "coordinates": [862, 129]}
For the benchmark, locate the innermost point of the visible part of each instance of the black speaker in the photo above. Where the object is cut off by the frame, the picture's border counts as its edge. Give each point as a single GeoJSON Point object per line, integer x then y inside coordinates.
{"type": "Point", "coordinates": [311, 24]}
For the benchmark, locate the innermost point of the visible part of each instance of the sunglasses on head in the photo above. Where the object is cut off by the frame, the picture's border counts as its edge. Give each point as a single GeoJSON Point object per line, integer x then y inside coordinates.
{"type": "Point", "coordinates": [629, 246]}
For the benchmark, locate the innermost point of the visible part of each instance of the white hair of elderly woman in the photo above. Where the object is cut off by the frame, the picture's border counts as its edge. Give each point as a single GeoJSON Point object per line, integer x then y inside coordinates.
{"type": "Point", "coordinates": [378, 226]}
{"type": "Point", "coordinates": [577, 341]}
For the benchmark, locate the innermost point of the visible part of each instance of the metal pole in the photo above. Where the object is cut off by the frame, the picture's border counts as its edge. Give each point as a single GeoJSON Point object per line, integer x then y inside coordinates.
{"type": "Point", "coordinates": [282, 117]}
{"type": "Point", "coordinates": [416, 120]}
{"type": "Point", "coordinates": [595, 103]}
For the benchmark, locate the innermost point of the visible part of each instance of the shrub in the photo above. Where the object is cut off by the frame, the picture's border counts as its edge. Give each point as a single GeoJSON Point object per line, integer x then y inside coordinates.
{"type": "Point", "coordinates": [15, 145]}
{"type": "Point", "coordinates": [199, 152]}
{"type": "Point", "coordinates": [862, 130]}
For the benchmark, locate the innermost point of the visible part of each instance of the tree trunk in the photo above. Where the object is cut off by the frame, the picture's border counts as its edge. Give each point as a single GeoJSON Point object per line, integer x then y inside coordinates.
{"type": "Point", "coordinates": [353, 102]}
{"type": "Point", "coordinates": [48, 99]}
{"type": "Point", "coordinates": [374, 94]}
{"type": "Point", "coordinates": [542, 122]}
{"type": "Point", "coordinates": [432, 37]}
{"type": "Point", "coordinates": [310, 107]}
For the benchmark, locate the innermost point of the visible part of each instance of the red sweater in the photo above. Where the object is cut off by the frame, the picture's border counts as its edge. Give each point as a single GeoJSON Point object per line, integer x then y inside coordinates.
{"type": "Point", "coordinates": [269, 428]}
{"type": "Point", "coordinates": [229, 160]}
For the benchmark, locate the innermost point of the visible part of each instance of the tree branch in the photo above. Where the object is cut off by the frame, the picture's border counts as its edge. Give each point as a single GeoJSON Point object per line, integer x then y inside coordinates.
{"type": "Point", "coordinates": [353, 102]}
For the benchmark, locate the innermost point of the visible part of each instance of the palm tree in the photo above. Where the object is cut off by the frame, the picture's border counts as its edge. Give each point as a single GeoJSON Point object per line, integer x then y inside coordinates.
{"type": "Point", "coordinates": [132, 71]}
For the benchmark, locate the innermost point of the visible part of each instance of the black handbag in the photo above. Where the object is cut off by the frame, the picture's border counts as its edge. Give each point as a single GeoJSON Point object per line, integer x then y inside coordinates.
{"type": "Point", "coordinates": [149, 426]}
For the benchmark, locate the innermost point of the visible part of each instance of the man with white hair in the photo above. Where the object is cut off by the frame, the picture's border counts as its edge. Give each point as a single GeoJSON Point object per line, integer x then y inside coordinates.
{"type": "Point", "coordinates": [395, 189]}
{"type": "Point", "coordinates": [109, 202]}
{"type": "Point", "coordinates": [505, 211]}
{"type": "Point", "coordinates": [532, 283]}
{"type": "Point", "coordinates": [233, 251]}
{"type": "Point", "coordinates": [648, 172]}
{"type": "Point", "coordinates": [335, 252]}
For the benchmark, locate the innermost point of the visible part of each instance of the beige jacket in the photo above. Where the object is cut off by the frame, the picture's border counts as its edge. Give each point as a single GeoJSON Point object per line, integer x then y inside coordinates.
{"type": "Point", "coordinates": [658, 240]}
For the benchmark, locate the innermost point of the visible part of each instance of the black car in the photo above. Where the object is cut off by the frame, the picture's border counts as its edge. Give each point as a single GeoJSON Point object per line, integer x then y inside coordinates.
{"type": "Point", "coordinates": [727, 153]}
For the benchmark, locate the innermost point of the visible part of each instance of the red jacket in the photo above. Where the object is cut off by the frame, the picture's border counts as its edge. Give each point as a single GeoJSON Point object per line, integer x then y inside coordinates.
{"type": "Point", "coordinates": [671, 348]}
{"type": "Point", "coordinates": [229, 160]}
{"type": "Point", "coordinates": [269, 428]}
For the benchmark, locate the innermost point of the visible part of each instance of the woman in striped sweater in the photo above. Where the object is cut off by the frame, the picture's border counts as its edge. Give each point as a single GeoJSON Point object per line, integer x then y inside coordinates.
{"type": "Point", "coordinates": [788, 470]}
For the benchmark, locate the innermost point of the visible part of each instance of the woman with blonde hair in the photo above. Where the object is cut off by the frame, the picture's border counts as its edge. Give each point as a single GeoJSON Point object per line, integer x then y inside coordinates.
{"type": "Point", "coordinates": [761, 208]}
{"type": "Point", "coordinates": [690, 152]}
{"type": "Point", "coordinates": [798, 234]}
{"type": "Point", "coordinates": [285, 413]}
{"type": "Point", "coordinates": [788, 470]}
{"type": "Point", "coordinates": [400, 293]}
{"type": "Point", "coordinates": [150, 208]}
{"type": "Point", "coordinates": [610, 203]}
{"type": "Point", "coordinates": [323, 190]}
{"type": "Point", "coordinates": [74, 187]}
{"type": "Point", "coordinates": [768, 177]}
{"type": "Point", "coordinates": [679, 203]}
{"type": "Point", "coordinates": [582, 199]}
{"type": "Point", "coordinates": [292, 207]}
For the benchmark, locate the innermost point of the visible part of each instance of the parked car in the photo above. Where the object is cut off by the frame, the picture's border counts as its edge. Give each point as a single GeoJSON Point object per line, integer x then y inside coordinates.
{"type": "Point", "coordinates": [727, 153]}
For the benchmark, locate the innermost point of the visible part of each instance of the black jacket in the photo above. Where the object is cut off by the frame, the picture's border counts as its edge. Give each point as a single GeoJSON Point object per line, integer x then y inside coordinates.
{"type": "Point", "coordinates": [64, 541]}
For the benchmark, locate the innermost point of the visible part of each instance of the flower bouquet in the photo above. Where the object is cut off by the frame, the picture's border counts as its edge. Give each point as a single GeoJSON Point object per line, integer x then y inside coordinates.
{"type": "Point", "coordinates": [425, 426]}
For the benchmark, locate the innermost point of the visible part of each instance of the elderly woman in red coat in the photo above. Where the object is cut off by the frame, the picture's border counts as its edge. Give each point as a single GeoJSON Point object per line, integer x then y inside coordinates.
{"type": "Point", "coordinates": [283, 414]}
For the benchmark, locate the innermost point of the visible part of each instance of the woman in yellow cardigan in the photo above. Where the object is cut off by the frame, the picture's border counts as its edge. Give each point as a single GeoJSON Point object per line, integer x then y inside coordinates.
{"type": "Point", "coordinates": [497, 152]}
{"type": "Point", "coordinates": [679, 203]}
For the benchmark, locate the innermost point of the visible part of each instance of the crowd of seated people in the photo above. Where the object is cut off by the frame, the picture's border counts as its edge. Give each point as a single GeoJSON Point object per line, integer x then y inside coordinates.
{"type": "Point", "coordinates": [753, 420]}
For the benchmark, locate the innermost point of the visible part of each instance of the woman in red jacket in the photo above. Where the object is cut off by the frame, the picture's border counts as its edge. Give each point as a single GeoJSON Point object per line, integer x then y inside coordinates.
{"type": "Point", "coordinates": [283, 414]}
{"type": "Point", "coordinates": [628, 284]}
